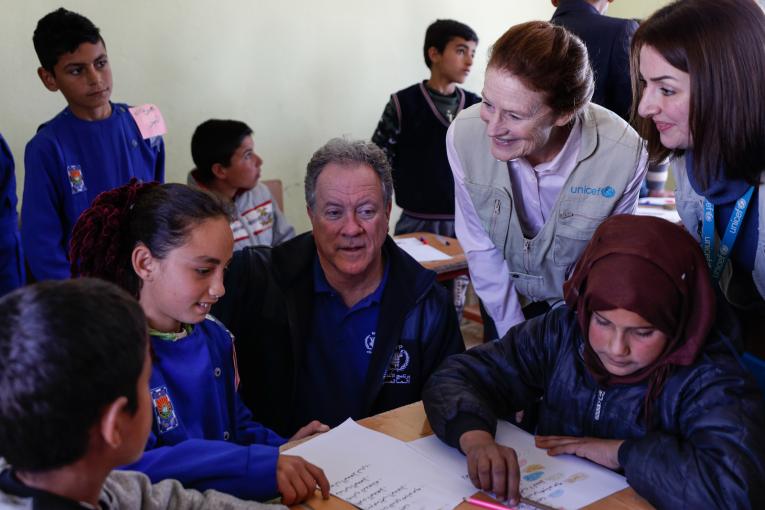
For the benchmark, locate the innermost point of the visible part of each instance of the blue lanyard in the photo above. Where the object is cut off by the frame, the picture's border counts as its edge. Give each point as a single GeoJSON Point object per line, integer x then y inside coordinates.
{"type": "Point", "coordinates": [717, 261]}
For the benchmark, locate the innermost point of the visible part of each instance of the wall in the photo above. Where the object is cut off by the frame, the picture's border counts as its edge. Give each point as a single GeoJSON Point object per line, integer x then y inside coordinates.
{"type": "Point", "coordinates": [299, 72]}
{"type": "Point", "coordinates": [634, 8]}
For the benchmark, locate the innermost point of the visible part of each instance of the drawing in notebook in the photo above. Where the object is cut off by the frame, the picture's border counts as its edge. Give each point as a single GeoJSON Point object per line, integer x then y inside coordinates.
{"type": "Point", "coordinates": [564, 482]}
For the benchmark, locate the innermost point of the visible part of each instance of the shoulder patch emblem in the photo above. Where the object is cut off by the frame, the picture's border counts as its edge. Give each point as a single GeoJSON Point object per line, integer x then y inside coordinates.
{"type": "Point", "coordinates": [163, 409]}
{"type": "Point", "coordinates": [76, 180]}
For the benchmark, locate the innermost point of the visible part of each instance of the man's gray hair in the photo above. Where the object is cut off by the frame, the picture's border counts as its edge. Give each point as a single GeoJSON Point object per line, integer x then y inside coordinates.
{"type": "Point", "coordinates": [343, 151]}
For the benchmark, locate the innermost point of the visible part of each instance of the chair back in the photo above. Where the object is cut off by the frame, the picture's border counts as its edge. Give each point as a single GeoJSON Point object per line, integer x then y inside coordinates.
{"type": "Point", "coordinates": [275, 187]}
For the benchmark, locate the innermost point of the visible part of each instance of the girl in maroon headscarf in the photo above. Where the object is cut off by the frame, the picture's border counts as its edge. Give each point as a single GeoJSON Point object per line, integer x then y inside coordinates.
{"type": "Point", "coordinates": [636, 373]}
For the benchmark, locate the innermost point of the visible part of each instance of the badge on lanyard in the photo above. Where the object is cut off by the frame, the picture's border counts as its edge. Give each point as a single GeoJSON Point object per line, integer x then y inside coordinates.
{"type": "Point", "coordinates": [717, 261]}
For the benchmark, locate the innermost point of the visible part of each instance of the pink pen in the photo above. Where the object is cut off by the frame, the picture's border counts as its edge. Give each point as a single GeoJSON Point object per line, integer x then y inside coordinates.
{"type": "Point", "coordinates": [486, 504]}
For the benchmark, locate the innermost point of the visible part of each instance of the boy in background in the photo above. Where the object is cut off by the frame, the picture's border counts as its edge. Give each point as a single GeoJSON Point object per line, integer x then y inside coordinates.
{"type": "Point", "coordinates": [412, 132]}
{"type": "Point", "coordinates": [93, 145]}
{"type": "Point", "coordinates": [75, 403]}
{"type": "Point", "coordinates": [11, 257]}
{"type": "Point", "coordinates": [227, 165]}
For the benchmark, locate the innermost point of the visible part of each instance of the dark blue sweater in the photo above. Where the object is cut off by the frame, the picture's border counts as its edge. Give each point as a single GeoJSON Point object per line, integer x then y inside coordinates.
{"type": "Point", "coordinates": [206, 438]}
{"type": "Point", "coordinates": [67, 164]}
{"type": "Point", "coordinates": [11, 256]}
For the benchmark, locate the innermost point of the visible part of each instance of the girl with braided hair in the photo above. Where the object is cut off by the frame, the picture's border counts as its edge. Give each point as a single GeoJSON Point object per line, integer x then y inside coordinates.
{"type": "Point", "coordinates": [168, 245]}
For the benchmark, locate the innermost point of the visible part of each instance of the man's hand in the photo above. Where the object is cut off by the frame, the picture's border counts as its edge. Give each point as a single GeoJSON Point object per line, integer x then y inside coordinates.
{"type": "Point", "coordinates": [603, 451]}
{"type": "Point", "coordinates": [296, 479]}
{"type": "Point", "coordinates": [491, 467]}
{"type": "Point", "coordinates": [312, 428]}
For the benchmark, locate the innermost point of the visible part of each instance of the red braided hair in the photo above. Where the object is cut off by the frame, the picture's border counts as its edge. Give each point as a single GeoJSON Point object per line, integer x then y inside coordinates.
{"type": "Point", "coordinates": [101, 246]}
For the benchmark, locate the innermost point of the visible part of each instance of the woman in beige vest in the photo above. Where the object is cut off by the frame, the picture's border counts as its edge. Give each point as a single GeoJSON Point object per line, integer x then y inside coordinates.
{"type": "Point", "coordinates": [537, 168]}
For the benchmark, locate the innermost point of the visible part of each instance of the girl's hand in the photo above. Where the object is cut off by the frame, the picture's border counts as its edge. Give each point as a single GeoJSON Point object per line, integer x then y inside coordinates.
{"type": "Point", "coordinates": [297, 479]}
{"type": "Point", "coordinates": [491, 466]}
{"type": "Point", "coordinates": [603, 451]}
{"type": "Point", "coordinates": [315, 427]}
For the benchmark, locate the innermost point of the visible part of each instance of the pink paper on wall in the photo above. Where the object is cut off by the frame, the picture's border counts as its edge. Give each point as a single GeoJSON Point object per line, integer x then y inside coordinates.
{"type": "Point", "coordinates": [149, 119]}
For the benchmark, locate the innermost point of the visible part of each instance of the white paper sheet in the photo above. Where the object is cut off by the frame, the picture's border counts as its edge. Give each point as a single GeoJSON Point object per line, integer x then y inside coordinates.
{"type": "Point", "coordinates": [659, 212]}
{"type": "Point", "coordinates": [565, 482]}
{"type": "Point", "coordinates": [656, 201]}
{"type": "Point", "coordinates": [420, 251]}
{"type": "Point", "coordinates": [377, 472]}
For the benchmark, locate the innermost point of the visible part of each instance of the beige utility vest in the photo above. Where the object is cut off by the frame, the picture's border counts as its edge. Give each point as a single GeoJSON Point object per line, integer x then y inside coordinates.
{"type": "Point", "coordinates": [608, 156]}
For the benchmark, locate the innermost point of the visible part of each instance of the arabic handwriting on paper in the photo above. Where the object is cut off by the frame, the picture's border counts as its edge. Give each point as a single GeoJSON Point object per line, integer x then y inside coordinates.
{"type": "Point", "coordinates": [369, 494]}
{"type": "Point", "coordinates": [376, 472]}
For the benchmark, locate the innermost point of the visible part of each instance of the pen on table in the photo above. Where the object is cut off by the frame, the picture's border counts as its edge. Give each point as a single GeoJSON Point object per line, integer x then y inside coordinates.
{"type": "Point", "coordinates": [497, 506]}
{"type": "Point", "coordinates": [486, 504]}
{"type": "Point", "coordinates": [423, 240]}
{"type": "Point", "coordinates": [443, 240]}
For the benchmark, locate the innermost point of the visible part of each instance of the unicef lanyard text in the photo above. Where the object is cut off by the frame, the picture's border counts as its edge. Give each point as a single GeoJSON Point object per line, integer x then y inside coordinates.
{"type": "Point", "coordinates": [717, 261]}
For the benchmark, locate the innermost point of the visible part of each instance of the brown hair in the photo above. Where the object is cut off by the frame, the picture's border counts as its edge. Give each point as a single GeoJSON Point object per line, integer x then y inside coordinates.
{"type": "Point", "coordinates": [548, 59]}
{"type": "Point", "coordinates": [159, 216]}
{"type": "Point", "coordinates": [721, 45]}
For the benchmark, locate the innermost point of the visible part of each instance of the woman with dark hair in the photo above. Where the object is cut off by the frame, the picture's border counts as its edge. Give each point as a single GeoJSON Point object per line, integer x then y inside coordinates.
{"type": "Point", "coordinates": [537, 168]}
{"type": "Point", "coordinates": [636, 373]}
{"type": "Point", "coordinates": [696, 71]}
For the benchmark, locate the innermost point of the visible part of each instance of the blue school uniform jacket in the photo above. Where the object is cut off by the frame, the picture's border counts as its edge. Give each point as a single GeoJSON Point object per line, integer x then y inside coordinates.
{"type": "Point", "coordinates": [702, 449]}
{"type": "Point", "coordinates": [202, 434]}
{"type": "Point", "coordinates": [67, 164]}
{"type": "Point", "coordinates": [11, 257]}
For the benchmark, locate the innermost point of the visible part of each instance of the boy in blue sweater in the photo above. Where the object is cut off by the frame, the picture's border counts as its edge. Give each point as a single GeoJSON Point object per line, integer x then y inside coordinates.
{"type": "Point", "coordinates": [11, 258]}
{"type": "Point", "coordinates": [93, 145]}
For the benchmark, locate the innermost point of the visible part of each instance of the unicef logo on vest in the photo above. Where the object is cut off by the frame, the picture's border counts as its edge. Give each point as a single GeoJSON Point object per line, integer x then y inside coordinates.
{"type": "Point", "coordinates": [605, 191]}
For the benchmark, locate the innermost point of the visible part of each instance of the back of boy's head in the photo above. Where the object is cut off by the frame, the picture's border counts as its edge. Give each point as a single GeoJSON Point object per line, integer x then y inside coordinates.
{"type": "Point", "coordinates": [441, 31]}
{"type": "Point", "coordinates": [67, 350]}
{"type": "Point", "coordinates": [159, 216]}
{"type": "Point", "coordinates": [61, 32]}
{"type": "Point", "coordinates": [216, 141]}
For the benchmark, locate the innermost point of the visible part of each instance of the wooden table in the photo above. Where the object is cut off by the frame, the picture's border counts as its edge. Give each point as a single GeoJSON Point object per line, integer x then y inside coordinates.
{"type": "Point", "coordinates": [408, 423]}
{"type": "Point", "coordinates": [445, 269]}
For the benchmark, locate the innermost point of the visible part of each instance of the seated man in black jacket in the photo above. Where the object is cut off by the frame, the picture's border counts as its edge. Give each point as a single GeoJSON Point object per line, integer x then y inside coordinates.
{"type": "Point", "coordinates": [338, 322]}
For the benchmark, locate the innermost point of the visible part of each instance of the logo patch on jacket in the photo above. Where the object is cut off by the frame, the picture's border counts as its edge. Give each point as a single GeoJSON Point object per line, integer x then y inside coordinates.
{"type": "Point", "coordinates": [369, 342]}
{"type": "Point", "coordinates": [163, 409]}
{"type": "Point", "coordinates": [605, 191]}
{"type": "Point", "coordinates": [396, 371]}
{"type": "Point", "coordinates": [76, 181]}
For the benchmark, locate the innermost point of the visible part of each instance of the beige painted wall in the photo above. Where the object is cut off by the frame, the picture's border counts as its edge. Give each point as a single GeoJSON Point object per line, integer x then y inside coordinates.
{"type": "Point", "coordinates": [298, 71]}
{"type": "Point", "coordinates": [635, 8]}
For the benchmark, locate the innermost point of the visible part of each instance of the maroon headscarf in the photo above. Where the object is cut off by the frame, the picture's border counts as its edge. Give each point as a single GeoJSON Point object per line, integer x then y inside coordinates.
{"type": "Point", "coordinates": [655, 269]}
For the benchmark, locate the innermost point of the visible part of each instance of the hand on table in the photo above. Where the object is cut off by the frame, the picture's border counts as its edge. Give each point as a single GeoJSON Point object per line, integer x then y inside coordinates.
{"type": "Point", "coordinates": [491, 466]}
{"type": "Point", "coordinates": [603, 451]}
{"type": "Point", "coordinates": [296, 479]}
{"type": "Point", "coordinates": [312, 428]}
